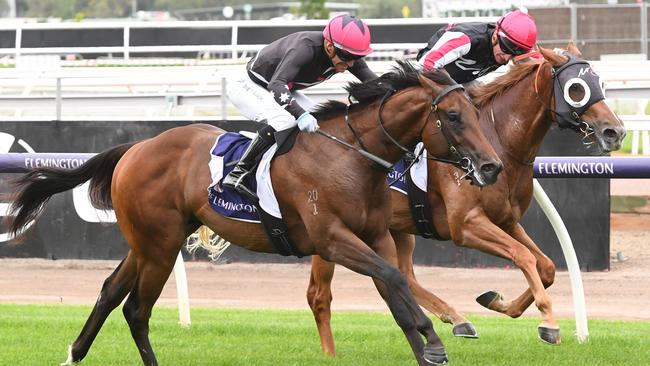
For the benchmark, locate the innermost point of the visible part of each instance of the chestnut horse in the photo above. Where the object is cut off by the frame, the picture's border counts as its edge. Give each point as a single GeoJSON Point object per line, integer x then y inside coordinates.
{"type": "Point", "coordinates": [335, 202]}
{"type": "Point", "coordinates": [516, 111]}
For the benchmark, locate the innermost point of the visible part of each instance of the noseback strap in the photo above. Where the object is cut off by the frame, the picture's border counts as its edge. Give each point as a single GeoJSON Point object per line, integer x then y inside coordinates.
{"type": "Point", "coordinates": [446, 91]}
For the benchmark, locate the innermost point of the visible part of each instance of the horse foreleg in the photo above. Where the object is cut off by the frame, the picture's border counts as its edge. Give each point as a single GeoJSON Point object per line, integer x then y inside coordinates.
{"type": "Point", "coordinates": [319, 297]}
{"type": "Point", "coordinates": [434, 352]}
{"type": "Point", "coordinates": [405, 244]}
{"type": "Point", "coordinates": [480, 233]}
{"type": "Point", "coordinates": [343, 247]}
{"type": "Point", "coordinates": [546, 270]}
{"type": "Point", "coordinates": [114, 290]}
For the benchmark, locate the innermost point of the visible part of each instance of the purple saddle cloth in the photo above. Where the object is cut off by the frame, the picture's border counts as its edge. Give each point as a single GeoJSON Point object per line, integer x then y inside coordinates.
{"type": "Point", "coordinates": [398, 169]}
{"type": "Point", "coordinates": [227, 202]}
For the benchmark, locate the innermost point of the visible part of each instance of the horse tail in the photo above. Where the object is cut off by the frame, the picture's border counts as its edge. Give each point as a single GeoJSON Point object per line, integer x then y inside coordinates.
{"type": "Point", "coordinates": [35, 188]}
{"type": "Point", "coordinates": [207, 239]}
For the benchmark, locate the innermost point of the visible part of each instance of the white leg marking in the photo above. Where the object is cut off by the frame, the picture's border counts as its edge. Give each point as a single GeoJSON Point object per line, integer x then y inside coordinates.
{"type": "Point", "coordinates": [68, 362]}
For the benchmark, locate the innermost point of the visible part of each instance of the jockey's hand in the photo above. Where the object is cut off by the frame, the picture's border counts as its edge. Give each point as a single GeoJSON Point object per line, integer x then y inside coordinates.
{"type": "Point", "coordinates": [307, 123]}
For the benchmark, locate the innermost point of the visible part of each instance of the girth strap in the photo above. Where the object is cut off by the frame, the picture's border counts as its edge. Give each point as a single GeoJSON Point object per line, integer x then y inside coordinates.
{"type": "Point", "coordinates": [420, 210]}
{"type": "Point", "coordinates": [278, 233]}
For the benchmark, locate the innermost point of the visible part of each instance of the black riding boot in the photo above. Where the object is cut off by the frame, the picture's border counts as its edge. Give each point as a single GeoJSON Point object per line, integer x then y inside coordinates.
{"type": "Point", "coordinates": [235, 179]}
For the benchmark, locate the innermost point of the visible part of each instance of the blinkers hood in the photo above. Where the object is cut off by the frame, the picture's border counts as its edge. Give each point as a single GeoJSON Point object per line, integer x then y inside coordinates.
{"type": "Point", "coordinates": [575, 72]}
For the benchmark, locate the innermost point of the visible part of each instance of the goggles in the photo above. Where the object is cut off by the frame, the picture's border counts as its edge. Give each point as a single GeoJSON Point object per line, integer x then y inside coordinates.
{"type": "Point", "coordinates": [510, 47]}
{"type": "Point", "coordinates": [345, 55]}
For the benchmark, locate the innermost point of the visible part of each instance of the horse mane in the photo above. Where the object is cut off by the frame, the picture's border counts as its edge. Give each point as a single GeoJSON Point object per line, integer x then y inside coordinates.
{"type": "Point", "coordinates": [402, 76]}
{"type": "Point", "coordinates": [484, 94]}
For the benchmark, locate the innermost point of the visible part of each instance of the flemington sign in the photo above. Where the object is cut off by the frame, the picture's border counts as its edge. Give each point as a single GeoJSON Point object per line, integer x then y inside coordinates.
{"type": "Point", "coordinates": [592, 167]}
{"type": "Point", "coordinates": [22, 162]}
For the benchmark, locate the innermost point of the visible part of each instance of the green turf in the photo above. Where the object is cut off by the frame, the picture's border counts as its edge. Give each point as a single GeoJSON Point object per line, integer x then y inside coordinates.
{"type": "Point", "coordinates": [39, 335]}
{"type": "Point", "coordinates": [627, 203]}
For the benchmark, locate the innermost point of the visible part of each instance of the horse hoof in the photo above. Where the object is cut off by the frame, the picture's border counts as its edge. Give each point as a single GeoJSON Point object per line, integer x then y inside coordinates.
{"type": "Point", "coordinates": [465, 330]}
{"type": "Point", "coordinates": [487, 298]}
{"type": "Point", "coordinates": [435, 355]}
{"type": "Point", "coordinates": [549, 335]}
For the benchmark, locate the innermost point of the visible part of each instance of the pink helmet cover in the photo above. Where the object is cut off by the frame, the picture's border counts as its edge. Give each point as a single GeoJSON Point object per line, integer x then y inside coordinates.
{"type": "Point", "coordinates": [518, 27]}
{"type": "Point", "coordinates": [349, 33]}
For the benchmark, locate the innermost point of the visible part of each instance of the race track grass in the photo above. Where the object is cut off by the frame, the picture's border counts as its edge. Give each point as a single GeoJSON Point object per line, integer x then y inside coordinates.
{"type": "Point", "coordinates": [40, 335]}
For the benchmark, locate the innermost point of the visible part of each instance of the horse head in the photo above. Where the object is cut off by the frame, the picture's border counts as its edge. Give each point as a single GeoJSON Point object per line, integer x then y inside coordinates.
{"type": "Point", "coordinates": [579, 100]}
{"type": "Point", "coordinates": [445, 120]}
{"type": "Point", "coordinates": [405, 106]}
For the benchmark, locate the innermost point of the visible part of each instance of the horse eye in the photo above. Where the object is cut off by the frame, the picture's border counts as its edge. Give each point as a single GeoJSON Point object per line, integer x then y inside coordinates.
{"type": "Point", "coordinates": [576, 92]}
{"type": "Point", "coordinates": [453, 116]}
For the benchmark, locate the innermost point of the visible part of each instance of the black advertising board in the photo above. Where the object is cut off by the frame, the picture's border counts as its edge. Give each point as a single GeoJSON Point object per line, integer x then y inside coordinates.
{"type": "Point", "coordinates": [69, 228]}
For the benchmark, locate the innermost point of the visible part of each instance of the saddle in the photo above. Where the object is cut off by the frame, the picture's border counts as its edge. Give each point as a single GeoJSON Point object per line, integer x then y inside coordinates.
{"type": "Point", "coordinates": [225, 153]}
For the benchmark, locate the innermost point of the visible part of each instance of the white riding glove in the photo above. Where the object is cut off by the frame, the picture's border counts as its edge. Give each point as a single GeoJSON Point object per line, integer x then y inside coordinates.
{"type": "Point", "coordinates": [307, 123]}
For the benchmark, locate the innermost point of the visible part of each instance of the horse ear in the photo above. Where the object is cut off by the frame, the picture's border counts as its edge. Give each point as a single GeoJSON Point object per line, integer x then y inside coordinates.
{"type": "Point", "coordinates": [551, 56]}
{"type": "Point", "coordinates": [547, 53]}
{"type": "Point", "coordinates": [572, 48]}
{"type": "Point", "coordinates": [428, 83]}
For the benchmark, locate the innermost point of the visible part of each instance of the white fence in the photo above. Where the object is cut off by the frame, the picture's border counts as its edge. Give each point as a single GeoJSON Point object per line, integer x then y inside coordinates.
{"type": "Point", "coordinates": [229, 49]}
{"type": "Point", "coordinates": [195, 92]}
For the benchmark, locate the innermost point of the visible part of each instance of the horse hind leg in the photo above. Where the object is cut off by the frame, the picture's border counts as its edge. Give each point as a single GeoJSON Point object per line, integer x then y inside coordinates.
{"type": "Point", "coordinates": [319, 297]}
{"type": "Point", "coordinates": [115, 288]}
{"type": "Point", "coordinates": [154, 268]}
{"type": "Point", "coordinates": [137, 309]}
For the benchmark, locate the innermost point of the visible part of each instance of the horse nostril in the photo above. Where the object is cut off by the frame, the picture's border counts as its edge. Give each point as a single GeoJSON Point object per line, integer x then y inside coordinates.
{"type": "Point", "coordinates": [611, 134]}
{"type": "Point", "coordinates": [491, 169]}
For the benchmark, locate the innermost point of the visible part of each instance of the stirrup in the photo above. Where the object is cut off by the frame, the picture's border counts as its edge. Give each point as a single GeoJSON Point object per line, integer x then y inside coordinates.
{"type": "Point", "coordinates": [236, 183]}
{"type": "Point", "coordinates": [246, 165]}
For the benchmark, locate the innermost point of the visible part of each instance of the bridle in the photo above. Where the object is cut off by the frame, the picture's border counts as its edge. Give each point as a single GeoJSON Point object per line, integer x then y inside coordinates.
{"type": "Point", "coordinates": [571, 117]}
{"type": "Point", "coordinates": [463, 162]}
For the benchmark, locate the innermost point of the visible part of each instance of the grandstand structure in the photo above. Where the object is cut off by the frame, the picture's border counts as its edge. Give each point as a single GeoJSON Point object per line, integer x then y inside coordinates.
{"type": "Point", "coordinates": [473, 8]}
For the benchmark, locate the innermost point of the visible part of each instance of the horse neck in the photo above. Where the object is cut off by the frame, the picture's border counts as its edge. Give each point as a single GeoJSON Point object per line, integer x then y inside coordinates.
{"type": "Point", "coordinates": [520, 116]}
{"type": "Point", "coordinates": [403, 118]}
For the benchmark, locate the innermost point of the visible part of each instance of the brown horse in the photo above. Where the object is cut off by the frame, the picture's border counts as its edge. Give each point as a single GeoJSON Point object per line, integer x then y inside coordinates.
{"type": "Point", "coordinates": [335, 202]}
{"type": "Point", "coordinates": [515, 116]}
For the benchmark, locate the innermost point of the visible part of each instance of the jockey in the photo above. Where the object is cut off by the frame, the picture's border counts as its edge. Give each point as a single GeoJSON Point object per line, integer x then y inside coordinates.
{"type": "Point", "coordinates": [470, 50]}
{"type": "Point", "coordinates": [269, 91]}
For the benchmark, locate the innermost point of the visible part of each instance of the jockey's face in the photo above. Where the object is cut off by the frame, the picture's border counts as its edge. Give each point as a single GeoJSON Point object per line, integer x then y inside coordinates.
{"type": "Point", "coordinates": [501, 57]}
{"type": "Point", "coordinates": [339, 64]}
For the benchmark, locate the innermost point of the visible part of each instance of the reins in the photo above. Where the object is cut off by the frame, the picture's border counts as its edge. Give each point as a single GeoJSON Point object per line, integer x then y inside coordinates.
{"type": "Point", "coordinates": [463, 163]}
{"type": "Point", "coordinates": [412, 162]}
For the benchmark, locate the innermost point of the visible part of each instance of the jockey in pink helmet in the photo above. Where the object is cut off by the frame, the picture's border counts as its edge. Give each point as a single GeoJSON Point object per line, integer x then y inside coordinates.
{"type": "Point", "coordinates": [470, 50]}
{"type": "Point", "coordinates": [269, 90]}
{"type": "Point", "coordinates": [516, 33]}
{"type": "Point", "coordinates": [350, 39]}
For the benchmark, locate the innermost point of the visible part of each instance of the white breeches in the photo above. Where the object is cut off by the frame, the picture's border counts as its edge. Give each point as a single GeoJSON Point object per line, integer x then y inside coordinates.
{"type": "Point", "coordinates": [257, 104]}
